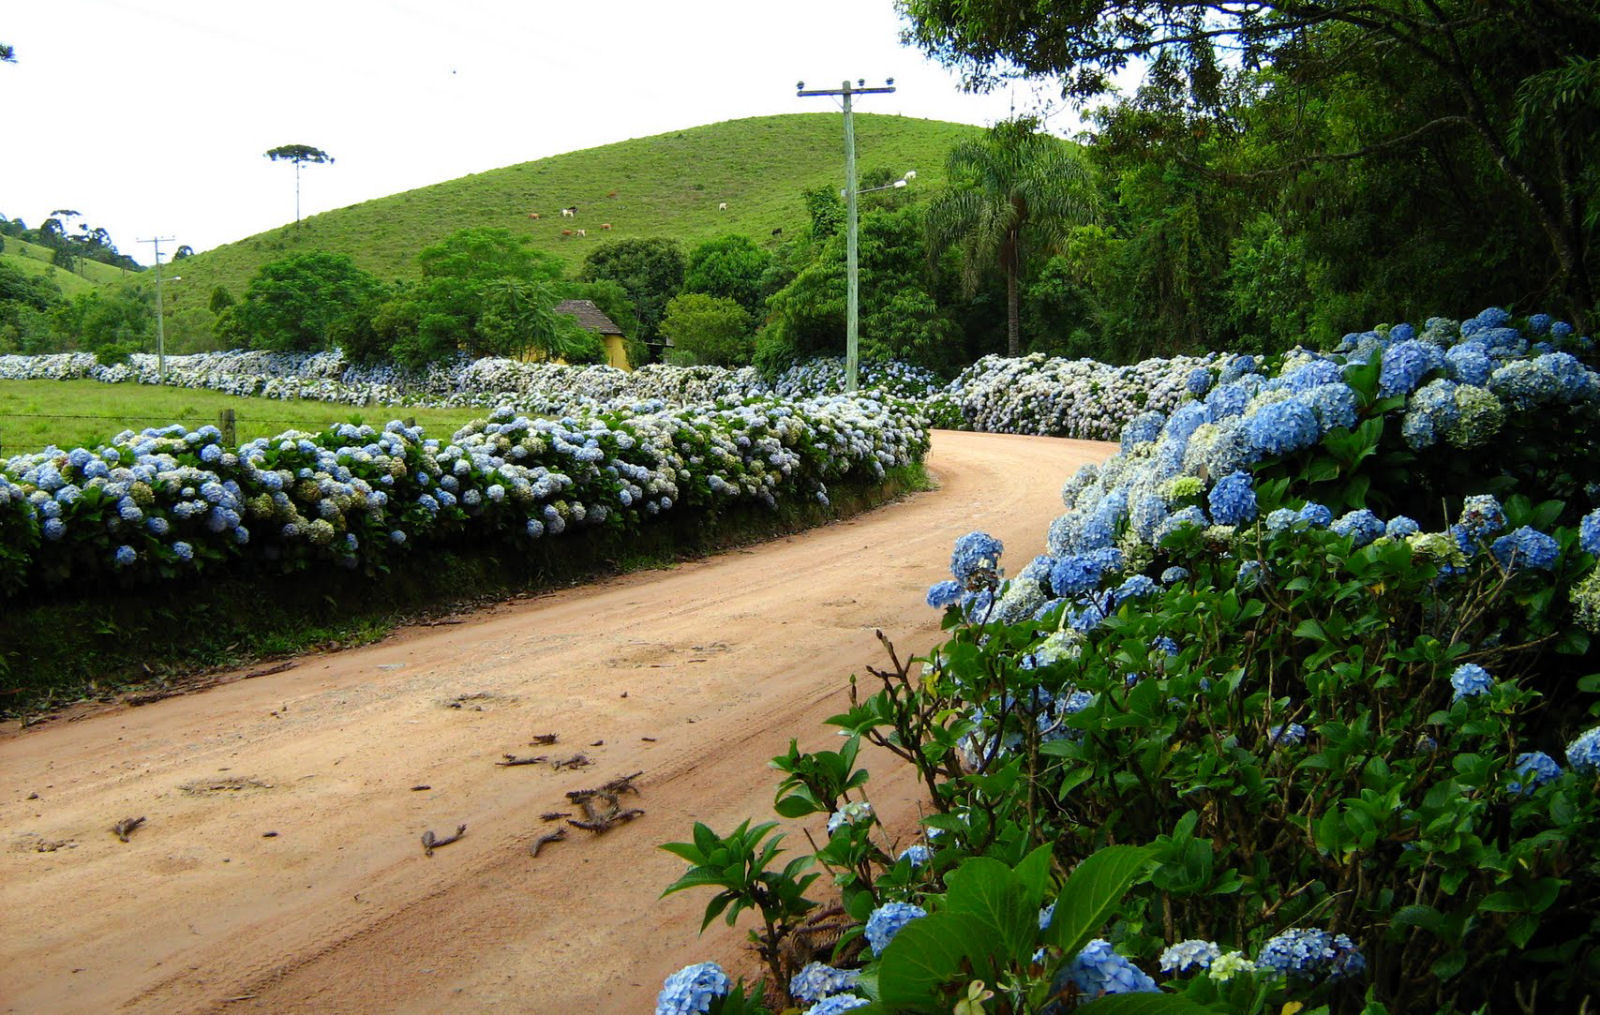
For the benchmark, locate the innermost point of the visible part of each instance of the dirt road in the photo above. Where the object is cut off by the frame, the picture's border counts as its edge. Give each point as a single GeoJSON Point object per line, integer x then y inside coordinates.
{"type": "Point", "coordinates": [280, 867]}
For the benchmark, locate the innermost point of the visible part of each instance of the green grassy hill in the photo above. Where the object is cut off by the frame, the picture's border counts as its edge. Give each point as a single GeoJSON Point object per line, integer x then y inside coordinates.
{"type": "Point", "coordinates": [670, 185]}
{"type": "Point", "coordinates": [35, 260]}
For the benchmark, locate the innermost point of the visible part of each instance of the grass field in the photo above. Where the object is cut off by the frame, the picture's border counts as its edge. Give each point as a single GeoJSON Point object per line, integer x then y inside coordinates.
{"type": "Point", "coordinates": [670, 185]}
{"type": "Point", "coordinates": [35, 260]}
{"type": "Point", "coordinates": [70, 414]}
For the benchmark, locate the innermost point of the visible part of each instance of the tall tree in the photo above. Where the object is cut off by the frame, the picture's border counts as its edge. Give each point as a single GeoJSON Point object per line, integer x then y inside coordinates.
{"type": "Point", "coordinates": [1013, 185]}
{"type": "Point", "coordinates": [1518, 78]}
{"type": "Point", "coordinates": [651, 270]}
{"type": "Point", "coordinates": [300, 303]}
{"type": "Point", "coordinates": [299, 154]}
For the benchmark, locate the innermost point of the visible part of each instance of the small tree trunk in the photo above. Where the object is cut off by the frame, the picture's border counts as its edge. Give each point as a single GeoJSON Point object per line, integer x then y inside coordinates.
{"type": "Point", "coordinates": [1013, 315]}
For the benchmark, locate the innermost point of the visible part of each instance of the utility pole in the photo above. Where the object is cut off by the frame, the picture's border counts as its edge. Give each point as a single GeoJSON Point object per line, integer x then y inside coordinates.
{"type": "Point", "coordinates": [161, 328]}
{"type": "Point", "coordinates": [852, 332]}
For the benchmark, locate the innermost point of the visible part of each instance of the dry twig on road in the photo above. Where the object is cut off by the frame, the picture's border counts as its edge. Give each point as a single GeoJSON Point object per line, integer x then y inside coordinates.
{"type": "Point", "coordinates": [430, 843]}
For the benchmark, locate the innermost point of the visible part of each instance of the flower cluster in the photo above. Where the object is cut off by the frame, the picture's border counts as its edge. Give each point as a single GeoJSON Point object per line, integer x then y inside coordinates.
{"type": "Point", "coordinates": [818, 980]}
{"type": "Point", "coordinates": [169, 501]}
{"type": "Point", "coordinates": [1311, 954]}
{"type": "Point", "coordinates": [1097, 970]}
{"type": "Point", "coordinates": [692, 989]}
{"type": "Point", "coordinates": [1035, 394]}
{"type": "Point", "coordinates": [888, 920]}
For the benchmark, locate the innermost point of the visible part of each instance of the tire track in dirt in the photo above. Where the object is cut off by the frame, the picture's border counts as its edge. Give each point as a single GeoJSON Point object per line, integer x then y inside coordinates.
{"type": "Point", "coordinates": [697, 676]}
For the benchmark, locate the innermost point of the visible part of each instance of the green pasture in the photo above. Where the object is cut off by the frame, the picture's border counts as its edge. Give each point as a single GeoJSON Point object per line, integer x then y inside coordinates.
{"type": "Point", "coordinates": [670, 185]}
{"type": "Point", "coordinates": [35, 260]}
{"type": "Point", "coordinates": [70, 414]}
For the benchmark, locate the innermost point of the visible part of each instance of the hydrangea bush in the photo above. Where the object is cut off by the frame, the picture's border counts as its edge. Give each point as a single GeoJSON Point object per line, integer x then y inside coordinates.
{"type": "Point", "coordinates": [170, 502]}
{"type": "Point", "coordinates": [1297, 708]}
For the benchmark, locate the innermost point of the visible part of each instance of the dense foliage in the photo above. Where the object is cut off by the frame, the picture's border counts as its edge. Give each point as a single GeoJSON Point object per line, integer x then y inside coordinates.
{"type": "Point", "coordinates": [1297, 711]}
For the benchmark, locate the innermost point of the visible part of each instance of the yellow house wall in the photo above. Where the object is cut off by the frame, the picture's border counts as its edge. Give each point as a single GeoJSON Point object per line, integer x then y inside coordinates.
{"type": "Point", "coordinates": [616, 354]}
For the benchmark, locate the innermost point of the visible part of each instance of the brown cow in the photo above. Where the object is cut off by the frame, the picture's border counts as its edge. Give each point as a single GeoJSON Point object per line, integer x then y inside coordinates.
{"type": "Point", "coordinates": [533, 214]}
{"type": "Point", "coordinates": [565, 233]}
{"type": "Point", "coordinates": [605, 225]}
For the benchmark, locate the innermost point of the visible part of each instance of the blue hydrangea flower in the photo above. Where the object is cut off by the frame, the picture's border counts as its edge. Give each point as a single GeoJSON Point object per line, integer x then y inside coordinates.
{"type": "Point", "coordinates": [1469, 681]}
{"type": "Point", "coordinates": [819, 980]}
{"type": "Point", "coordinates": [916, 854]}
{"type": "Point", "coordinates": [1589, 533]}
{"type": "Point", "coordinates": [182, 549]}
{"type": "Point", "coordinates": [1198, 382]}
{"type": "Point", "coordinates": [1047, 916]}
{"type": "Point", "coordinates": [126, 555]}
{"type": "Point", "coordinates": [1233, 499]}
{"type": "Point", "coordinates": [692, 989]}
{"type": "Point", "coordinates": [1400, 526]}
{"type": "Point", "coordinates": [1583, 754]}
{"type": "Point", "coordinates": [1173, 575]}
{"type": "Point", "coordinates": [1335, 405]}
{"type": "Point", "coordinates": [1360, 526]}
{"type": "Point", "coordinates": [1075, 574]}
{"type": "Point", "coordinates": [975, 551]}
{"type": "Point", "coordinates": [1533, 769]}
{"type": "Point", "coordinates": [1405, 364]}
{"type": "Point", "coordinates": [1135, 587]}
{"type": "Point", "coordinates": [1281, 520]}
{"type": "Point", "coordinates": [942, 594]}
{"type": "Point", "coordinates": [1283, 736]}
{"type": "Point", "coordinates": [837, 1004]}
{"type": "Point", "coordinates": [1481, 516]}
{"type": "Point", "coordinates": [1238, 367]}
{"type": "Point", "coordinates": [1315, 515]}
{"type": "Point", "coordinates": [1184, 955]}
{"type": "Point", "coordinates": [54, 529]}
{"type": "Point", "coordinates": [1311, 954]}
{"type": "Point", "coordinates": [1469, 363]}
{"type": "Point", "coordinates": [1165, 644]}
{"type": "Point", "coordinates": [1526, 548]}
{"type": "Point", "coordinates": [1097, 970]}
{"type": "Point", "coordinates": [1281, 428]}
{"type": "Point", "coordinates": [1142, 429]}
{"type": "Point", "coordinates": [1189, 516]}
{"type": "Point", "coordinates": [888, 920]}
{"type": "Point", "coordinates": [853, 812]}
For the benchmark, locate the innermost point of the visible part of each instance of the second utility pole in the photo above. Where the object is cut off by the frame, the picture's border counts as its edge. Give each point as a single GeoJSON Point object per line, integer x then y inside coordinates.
{"type": "Point", "coordinates": [852, 328]}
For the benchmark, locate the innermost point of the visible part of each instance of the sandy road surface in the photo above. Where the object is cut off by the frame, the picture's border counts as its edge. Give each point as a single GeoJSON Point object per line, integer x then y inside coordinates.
{"type": "Point", "coordinates": [696, 676]}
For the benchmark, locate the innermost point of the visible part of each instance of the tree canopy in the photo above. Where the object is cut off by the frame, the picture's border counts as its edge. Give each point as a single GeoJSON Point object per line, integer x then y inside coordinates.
{"type": "Point", "coordinates": [1516, 81]}
{"type": "Point", "coordinates": [1014, 184]}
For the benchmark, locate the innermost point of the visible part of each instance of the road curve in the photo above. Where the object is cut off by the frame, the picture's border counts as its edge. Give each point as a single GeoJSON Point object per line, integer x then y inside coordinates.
{"type": "Point", "coordinates": [280, 868]}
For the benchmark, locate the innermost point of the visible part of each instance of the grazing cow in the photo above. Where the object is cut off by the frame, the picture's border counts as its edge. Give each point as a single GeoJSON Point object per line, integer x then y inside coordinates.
{"type": "Point", "coordinates": [612, 194]}
{"type": "Point", "coordinates": [778, 231]}
{"type": "Point", "coordinates": [723, 206]}
{"type": "Point", "coordinates": [565, 233]}
{"type": "Point", "coordinates": [605, 225]}
{"type": "Point", "coordinates": [583, 232]}
{"type": "Point", "coordinates": [568, 213]}
{"type": "Point", "coordinates": [533, 214]}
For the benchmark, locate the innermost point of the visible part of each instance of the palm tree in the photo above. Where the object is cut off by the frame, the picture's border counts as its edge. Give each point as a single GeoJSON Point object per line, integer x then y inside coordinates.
{"type": "Point", "coordinates": [1013, 184]}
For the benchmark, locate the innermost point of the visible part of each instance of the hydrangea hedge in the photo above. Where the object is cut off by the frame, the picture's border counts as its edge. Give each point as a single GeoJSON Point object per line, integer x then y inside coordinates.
{"type": "Point", "coordinates": [1297, 711]}
{"type": "Point", "coordinates": [169, 503]}
{"type": "Point", "coordinates": [1034, 395]}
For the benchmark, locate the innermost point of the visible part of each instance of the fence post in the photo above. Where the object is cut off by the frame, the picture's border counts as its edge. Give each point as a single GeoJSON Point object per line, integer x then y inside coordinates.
{"type": "Point", "coordinates": [227, 424]}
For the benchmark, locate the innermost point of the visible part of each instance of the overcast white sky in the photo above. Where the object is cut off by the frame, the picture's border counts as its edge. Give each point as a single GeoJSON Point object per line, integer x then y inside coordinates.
{"type": "Point", "coordinates": [151, 117]}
